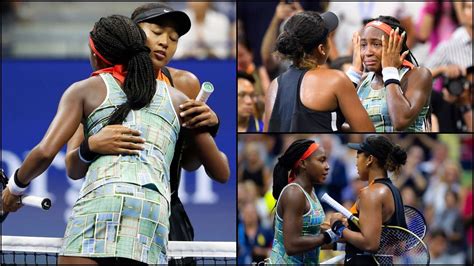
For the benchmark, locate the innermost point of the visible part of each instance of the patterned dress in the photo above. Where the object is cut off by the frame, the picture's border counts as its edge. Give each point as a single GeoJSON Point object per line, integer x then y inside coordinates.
{"type": "Point", "coordinates": [375, 103]}
{"type": "Point", "coordinates": [123, 206]}
{"type": "Point", "coordinates": [312, 221]}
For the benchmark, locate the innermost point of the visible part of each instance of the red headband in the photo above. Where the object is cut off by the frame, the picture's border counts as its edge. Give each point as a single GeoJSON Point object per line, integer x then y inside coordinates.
{"type": "Point", "coordinates": [312, 148]}
{"type": "Point", "coordinates": [91, 43]}
{"type": "Point", "coordinates": [387, 29]}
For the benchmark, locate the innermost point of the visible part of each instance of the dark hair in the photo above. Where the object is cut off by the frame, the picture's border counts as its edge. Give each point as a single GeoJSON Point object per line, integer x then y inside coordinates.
{"type": "Point", "coordinates": [391, 157]}
{"type": "Point", "coordinates": [243, 75]}
{"type": "Point", "coordinates": [285, 164]}
{"type": "Point", "coordinates": [301, 34]}
{"type": "Point", "coordinates": [394, 23]}
{"type": "Point", "coordinates": [119, 40]}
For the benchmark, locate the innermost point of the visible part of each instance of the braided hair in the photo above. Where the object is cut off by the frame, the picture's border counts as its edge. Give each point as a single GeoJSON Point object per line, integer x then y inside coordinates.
{"type": "Point", "coordinates": [286, 163]}
{"type": "Point", "coordinates": [302, 33]}
{"type": "Point", "coordinates": [119, 40]}
{"type": "Point", "coordinates": [394, 23]}
{"type": "Point", "coordinates": [391, 157]}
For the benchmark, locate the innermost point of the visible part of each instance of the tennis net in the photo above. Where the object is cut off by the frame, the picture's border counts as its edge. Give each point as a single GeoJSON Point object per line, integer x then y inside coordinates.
{"type": "Point", "coordinates": [44, 251]}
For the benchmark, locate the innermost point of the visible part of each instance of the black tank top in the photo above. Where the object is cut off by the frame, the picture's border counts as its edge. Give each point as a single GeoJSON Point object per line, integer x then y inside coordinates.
{"type": "Point", "coordinates": [359, 257]}
{"type": "Point", "coordinates": [290, 115]}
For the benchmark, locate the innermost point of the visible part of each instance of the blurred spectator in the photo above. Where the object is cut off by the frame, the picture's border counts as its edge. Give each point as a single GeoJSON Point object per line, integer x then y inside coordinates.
{"type": "Point", "coordinates": [209, 36]}
{"type": "Point", "coordinates": [450, 60]}
{"type": "Point", "coordinates": [274, 65]}
{"type": "Point", "coordinates": [436, 165]}
{"type": "Point", "coordinates": [247, 120]}
{"type": "Point", "coordinates": [9, 16]}
{"type": "Point", "coordinates": [438, 248]}
{"type": "Point", "coordinates": [257, 239]}
{"type": "Point", "coordinates": [411, 175]}
{"type": "Point", "coordinates": [342, 63]}
{"type": "Point", "coordinates": [468, 222]}
{"type": "Point", "coordinates": [254, 169]}
{"type": "Point", "coordinates": [245, 64]}
{"type": "Point", "coordinates": [409, 197]}
{"type": "Point", "coordinates": [352, 14]}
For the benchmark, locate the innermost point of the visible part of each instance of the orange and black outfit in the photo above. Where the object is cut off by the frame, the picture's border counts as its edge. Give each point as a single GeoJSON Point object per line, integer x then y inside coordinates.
{"type": "Point", "coordinates": [356, 256]}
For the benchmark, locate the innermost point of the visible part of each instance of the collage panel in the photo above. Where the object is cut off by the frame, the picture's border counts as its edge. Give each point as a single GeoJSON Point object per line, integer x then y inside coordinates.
{"type": "Point", "coordinates": [354, 198]}
{"type": "Point", "coordinates": [330, 66]}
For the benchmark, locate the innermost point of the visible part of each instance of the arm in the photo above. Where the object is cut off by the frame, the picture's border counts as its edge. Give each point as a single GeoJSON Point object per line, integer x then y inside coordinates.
{"type": "Point", "coordinates": [355, 114]}
{"type": "Point", "coordinates": [294, 205]}
{"type": "Point", "coordinates": [269, 102]}
{"type": "Point", "coordinates": [113, 139]}
{"type": "Point", "coordinates": [370, 220]}
{"type": "Point", "coordinates": [61, 129]}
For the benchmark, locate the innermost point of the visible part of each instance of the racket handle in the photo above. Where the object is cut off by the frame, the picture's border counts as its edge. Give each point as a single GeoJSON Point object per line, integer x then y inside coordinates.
{"type": "Point", "coordinates": [35, 201]}
{"type": "Point", "coordinates": [338, 207]}
{"type": "Point", "coordinates": [206, 89]}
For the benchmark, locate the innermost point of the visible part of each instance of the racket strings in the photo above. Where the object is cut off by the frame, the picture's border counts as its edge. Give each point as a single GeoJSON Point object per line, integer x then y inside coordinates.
{"type": "Point", "coordinates": [415, 222]}
{"type": "Point", "coordinates": [398, 246]}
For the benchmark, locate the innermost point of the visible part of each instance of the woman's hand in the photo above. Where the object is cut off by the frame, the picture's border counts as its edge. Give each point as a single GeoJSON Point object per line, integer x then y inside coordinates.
{"type": "Point", "coordinates": [10, 202]}
{"type": "Point", "coordinates": [197, 114]}
{"type": "Point", "coordinates": [391, 49]}
{"type": "Point", "coordinates": [338, 217]}
{"type": "Point", "coordinates": [356, 57]}
{"type": "Point", "coordinates": [116, 139]}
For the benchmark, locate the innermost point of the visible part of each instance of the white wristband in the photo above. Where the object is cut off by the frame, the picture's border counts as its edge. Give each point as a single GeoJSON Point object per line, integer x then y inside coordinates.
{"type": "Point", "coordinates": [390, 73]}
{"type": "Point", "coordinates": [354, 75]}
{"type": "Point", "coordinates": [14, 188]}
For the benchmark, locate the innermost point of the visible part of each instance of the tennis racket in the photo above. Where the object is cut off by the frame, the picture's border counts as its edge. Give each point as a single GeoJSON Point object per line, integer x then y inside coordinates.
{"type": "Point", "coordinates": [33, 201]}
{"type": "Point", "coordinates": [416, 222]}
{"type": "Point", "coordinates": [397, 244]}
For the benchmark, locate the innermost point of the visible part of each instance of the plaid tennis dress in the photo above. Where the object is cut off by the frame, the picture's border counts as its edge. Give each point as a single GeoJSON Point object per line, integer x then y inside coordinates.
{"type": "Point", "coordinates": [312, 221]}
{"type": "Point", "coordinates": [123, 206]}
{"type": "Point", "coordinates": [375, 103]}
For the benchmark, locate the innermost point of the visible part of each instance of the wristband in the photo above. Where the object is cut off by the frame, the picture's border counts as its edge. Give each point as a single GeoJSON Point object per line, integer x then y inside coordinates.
{"type": "Point", "coordinates": [465, 108]}
{"type": "Point", "coordinates": [330, 237]}
{"type": "Point", "coordinates": [338, 227]}
{"type": "Point", "coordinates": [85, 154]}
{"type": "Point", "coordinates": [15, 186]}
{"type": "Point", "coordinates": [390, 73]}
{"type": "Point", "coordinates": [391, 81]}
{"type": "Point", "coordinates": [213, 129]}
{"type": "Point", "coordinates": [354, 75]}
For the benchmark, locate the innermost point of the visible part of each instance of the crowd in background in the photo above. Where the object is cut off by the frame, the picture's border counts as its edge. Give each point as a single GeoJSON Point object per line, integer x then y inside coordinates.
{"type": "Point", "coordinates": [436, 34]}
{"type": "Point", "coordinates": [437, 180]}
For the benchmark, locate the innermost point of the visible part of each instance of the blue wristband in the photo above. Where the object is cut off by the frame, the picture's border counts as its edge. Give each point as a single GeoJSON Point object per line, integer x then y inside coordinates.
{"type": "Point", "coordinates": [338, 227]}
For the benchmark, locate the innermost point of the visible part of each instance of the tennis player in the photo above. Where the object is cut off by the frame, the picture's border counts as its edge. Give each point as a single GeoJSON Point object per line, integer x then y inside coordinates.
{"type": "Point", "coordinates": [309, 97]}
{"type": "Point", "coordinates": [394, 91]}
{"type": "Point", "coordinates": [117, 139]}
{"type": "Point", "coordinates": [122, 212]}
{"type": "Point", "coordinates": [299, 214]}
{"type": "Point", "coordinates": [380, 203]}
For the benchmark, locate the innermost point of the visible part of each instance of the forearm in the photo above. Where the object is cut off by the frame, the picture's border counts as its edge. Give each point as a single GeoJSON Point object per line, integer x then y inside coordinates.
{"type": "Point", "coordinates": [400, 110]}
{"type": "Point", "coordinates": [75, 167]}
{"type": "Point", "coordinates": [37, 161]}
{"type": "Point", "coordinates": [303, 243]}
{"type": "Point", "coordinates": [214, 161]}
{"type": "Point", "coordinates": [268, 43]}
{"type": "Point", "coordinates": [358, 240]}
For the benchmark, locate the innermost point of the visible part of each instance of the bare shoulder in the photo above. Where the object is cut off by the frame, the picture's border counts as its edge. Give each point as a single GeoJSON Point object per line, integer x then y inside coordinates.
{"type": "Point", "coordinates": [420, 73]}
{"type": "Point", "coordinates": [185, 81]}
{"type": "Point", "coordinates": [373, 193]}
{"type": "Point", "coordinates": [85, 86]}
{"type": "Point", "coordinates": [293, 196]}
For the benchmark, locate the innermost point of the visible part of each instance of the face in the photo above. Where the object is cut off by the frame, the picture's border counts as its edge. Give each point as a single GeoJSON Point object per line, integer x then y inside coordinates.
{"type": "Point", "coordinates": [361, 163]}
{"type": "Point", "coordinates": [317, 167]}
{"type": "Point", "coordinates": [162, 39]}
{"type": "Point", "coordinates": [245, 97]}
{"type": "Point", "coordinates": [244, 57]}
{"type": "Point", "coordinates": [371, 48]}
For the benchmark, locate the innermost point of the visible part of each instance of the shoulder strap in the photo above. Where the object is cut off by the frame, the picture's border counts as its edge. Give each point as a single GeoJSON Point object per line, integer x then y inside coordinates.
{"type": "Point", "coordinates": [167, 73]}
{"type": "Point", "coordinates": [399, 216]}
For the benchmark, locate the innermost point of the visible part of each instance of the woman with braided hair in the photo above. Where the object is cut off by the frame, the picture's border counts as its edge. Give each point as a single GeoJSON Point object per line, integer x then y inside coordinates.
{"type": "Point", "coordinates": [122, 212]}
{"type": "Point", "coordinates": [299, 214]}
{"type": "Point", "coordinates": [394, 91]}
{"type": "Point", "coordinates": [380, 203]}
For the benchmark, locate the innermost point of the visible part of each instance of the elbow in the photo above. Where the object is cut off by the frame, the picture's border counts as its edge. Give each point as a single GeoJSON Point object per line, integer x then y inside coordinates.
{"type": "Point", "coordinates": [290, 249]}
{"type": "Point", "coordinates": [222, 176]}
{"type": "Point", "coordinates": [45, 153]}
{"type": "Point", "coordinates": [372, 247]}
{"type": "Point", "coordinates": [400, 124]}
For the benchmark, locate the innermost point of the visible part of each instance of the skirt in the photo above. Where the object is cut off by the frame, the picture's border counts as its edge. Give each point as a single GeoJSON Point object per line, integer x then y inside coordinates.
{"type": "Point", "coordinates": [119, 220]}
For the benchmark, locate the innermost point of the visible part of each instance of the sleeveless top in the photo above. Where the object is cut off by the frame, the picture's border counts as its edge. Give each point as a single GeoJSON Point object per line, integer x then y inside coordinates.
{"type": "Point", "coordinates": [375, 103]}
{"type": "Point", "coordinates": [312, 221]}
{"type": "Point", "coordinates": [290, 115]}
{"type": "Point", "coordinates": [159, 126]}
{"type": "Point", "coordinates": [359, 257]}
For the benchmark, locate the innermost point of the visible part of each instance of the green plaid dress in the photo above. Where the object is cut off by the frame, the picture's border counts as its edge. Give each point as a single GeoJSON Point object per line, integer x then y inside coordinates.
{"type": "Point", "coordinates": [375, 103]}
{"type": "Point", "coordinates": [312, 221]}
{"type": "Point", "coordinates": [123, 206]}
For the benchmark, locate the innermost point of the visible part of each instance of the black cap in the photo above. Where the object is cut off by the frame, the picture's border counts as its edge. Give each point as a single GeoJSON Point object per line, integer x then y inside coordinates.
{"type": "Point", "coordinates": [367, 148]}
{"type": "Point", "coordinates": [330, 20]}
{"type": "Point", "coordinates": [181, 19]}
